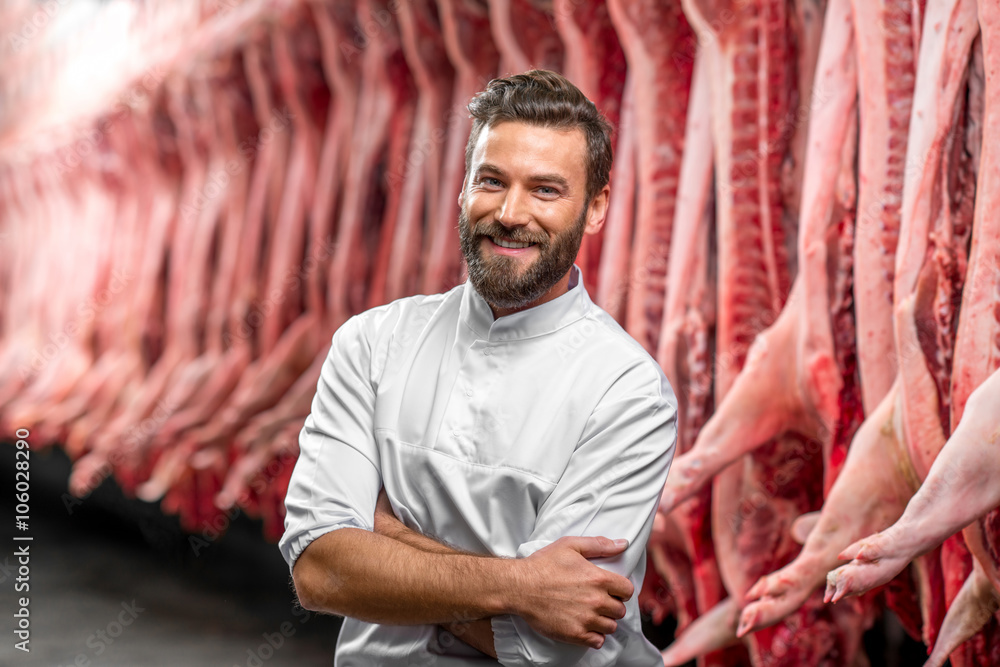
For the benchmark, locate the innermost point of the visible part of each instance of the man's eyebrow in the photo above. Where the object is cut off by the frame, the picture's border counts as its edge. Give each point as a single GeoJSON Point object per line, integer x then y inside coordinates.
{"type": "Point", "coordinates": [486, 167]}
{"type": "Point", "coordinates": [551, 178]}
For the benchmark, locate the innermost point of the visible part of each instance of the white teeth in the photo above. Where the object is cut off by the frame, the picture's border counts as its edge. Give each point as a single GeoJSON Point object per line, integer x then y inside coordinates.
{"type": "Point", "coordinates": [511, 244]}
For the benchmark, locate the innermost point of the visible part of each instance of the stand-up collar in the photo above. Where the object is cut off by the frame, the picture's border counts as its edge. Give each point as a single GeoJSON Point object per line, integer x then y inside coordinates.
{"type": "Point", "coordinates": [535, 321]}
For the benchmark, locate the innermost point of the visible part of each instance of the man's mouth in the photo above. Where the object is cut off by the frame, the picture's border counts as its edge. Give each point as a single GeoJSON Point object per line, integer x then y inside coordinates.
{"type": "Point", "coordinates": [514, 245]}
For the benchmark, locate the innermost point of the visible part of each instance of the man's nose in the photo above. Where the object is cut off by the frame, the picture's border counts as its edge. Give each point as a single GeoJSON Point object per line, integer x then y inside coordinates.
{"type": "Point", "coordinates": [515, 208]}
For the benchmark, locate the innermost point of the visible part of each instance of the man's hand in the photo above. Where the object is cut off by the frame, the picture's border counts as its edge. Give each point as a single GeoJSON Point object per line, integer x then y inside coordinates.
{"type": "Point", "coordinates": [568, 598]}
{"type": "Point", "coordinates": [563, 595]}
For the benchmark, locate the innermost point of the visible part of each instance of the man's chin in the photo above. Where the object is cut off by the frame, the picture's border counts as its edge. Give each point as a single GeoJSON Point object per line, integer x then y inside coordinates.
{"type": "Point", "coordinates": [508, 267]}
{"type": "Point", "coordinates": [506, 299]}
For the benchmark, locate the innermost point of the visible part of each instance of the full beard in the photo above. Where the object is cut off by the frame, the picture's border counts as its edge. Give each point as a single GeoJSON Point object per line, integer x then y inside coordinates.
{"type": "Point", "coordinates": [498, 278]}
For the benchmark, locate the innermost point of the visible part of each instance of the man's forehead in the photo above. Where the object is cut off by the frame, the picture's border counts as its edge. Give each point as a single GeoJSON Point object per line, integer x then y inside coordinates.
{"type": "Point", "coordinates": [515, 144]}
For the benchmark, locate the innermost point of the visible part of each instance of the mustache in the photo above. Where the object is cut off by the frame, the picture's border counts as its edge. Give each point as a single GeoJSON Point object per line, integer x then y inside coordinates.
{"type": "Point", "coordinates": [496, 230]}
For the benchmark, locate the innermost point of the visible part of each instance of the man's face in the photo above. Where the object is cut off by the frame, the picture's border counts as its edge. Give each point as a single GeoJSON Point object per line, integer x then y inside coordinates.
{"type": "Point", "coordinates": [524, 212]}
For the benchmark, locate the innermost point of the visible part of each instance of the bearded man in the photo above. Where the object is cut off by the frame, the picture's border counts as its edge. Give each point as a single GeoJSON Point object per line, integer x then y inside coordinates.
{"type": "Point", "coordinates": [480, 471]}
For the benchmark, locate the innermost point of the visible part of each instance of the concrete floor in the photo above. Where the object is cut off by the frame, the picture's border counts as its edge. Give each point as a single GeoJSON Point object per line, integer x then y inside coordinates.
{"type": "Point", "coordinates": [119, 567]}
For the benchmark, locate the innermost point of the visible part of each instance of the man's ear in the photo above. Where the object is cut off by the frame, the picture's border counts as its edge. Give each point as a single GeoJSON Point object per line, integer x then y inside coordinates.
{"type": "Point", "coordinates": [461, 194]}
{"type": "Point", "coordinates": [597, 211]}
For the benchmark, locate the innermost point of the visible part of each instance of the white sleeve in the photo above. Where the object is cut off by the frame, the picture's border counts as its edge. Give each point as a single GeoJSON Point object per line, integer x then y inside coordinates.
{"type": "Point", "coordinates": [610, 488]}
{"type": "Point", "coordinates": [337, 477]}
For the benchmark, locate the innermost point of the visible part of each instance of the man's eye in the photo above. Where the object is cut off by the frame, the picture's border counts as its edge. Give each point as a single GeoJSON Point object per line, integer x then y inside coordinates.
{"type": "Point", "coordinates": [491, 182]}
{"type": "Point", "coordinates": [546, 190]}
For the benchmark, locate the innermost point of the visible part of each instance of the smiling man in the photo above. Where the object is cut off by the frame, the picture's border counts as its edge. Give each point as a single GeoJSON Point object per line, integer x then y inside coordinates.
{"type": "Point", "coordinates": [479, 474]}
{"type": "Point", "coordinates": [529, 218]}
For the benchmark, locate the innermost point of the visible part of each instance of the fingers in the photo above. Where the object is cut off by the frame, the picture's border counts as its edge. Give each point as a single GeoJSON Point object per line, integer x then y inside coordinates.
{"type": "Point", "coordinates": [591, 633]}
{"type": "Point", "coordinates": [593, 640]}
{"type": "Point", "coordinates": [593, 597]}
{"type": "Point", "coordinates": [620, 587]}
{"type": "Point", "coordinates": [613, 609]}
{"type": "Point", "coordinates": [595, 547]}
{"type": "Point", "coordinates": [603, 547]}
{"type": "Point", "coordinates": [604, 625]}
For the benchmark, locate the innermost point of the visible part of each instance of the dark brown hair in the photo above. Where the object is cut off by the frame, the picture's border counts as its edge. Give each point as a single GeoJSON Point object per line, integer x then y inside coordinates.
{"type": "Point", "coordinates": [547, 99]}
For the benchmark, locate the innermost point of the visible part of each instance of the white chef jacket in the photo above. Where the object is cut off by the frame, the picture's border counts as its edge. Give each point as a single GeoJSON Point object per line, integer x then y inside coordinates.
{"type": "Point", "coordinates": [494, 436]}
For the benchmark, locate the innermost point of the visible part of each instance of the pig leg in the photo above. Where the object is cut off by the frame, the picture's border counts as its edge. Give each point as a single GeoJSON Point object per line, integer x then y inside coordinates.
{"type": "Point", "coordinates": [713, 630]}
{"type": "Point", "coordinates": [970, 611]}
{"type": "Point", "coordinates": [871, 491]}
{"type": "Point", "coordinates": [960, 488]}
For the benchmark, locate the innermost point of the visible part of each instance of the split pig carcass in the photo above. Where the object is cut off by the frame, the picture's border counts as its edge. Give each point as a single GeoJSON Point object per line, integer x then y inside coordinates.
{"type": "Point", "coordinates": [799, 232]}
